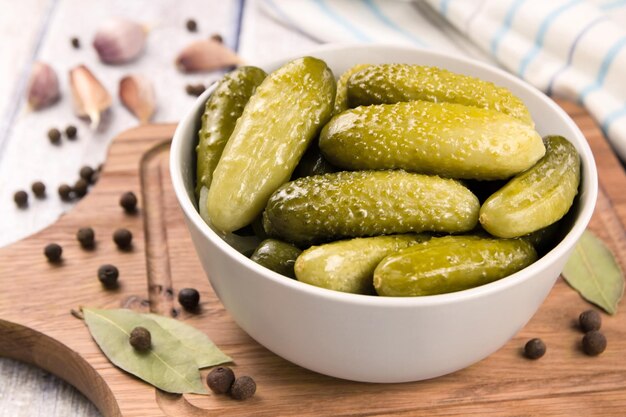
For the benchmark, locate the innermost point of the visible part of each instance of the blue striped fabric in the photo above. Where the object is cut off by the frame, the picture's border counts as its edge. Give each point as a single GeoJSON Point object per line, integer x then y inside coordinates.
{"type": "Point", "coordinates": [506, 26]}
{"type": "Point", "coordinates": [341, 21]}
{"type": "Point", "coordinates": [391, 24]}
{"type": "Point", "coordinates": [603, 71]}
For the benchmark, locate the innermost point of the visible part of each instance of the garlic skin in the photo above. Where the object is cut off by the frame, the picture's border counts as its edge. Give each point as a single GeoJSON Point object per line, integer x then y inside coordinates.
{"type": "Point", "coordinates": [137, 95]}
{"type": "Point", "coordinates": [206, 55]}
{"type": "Point", "coordinates": [91, 99]}
{"type": "Point", "coordinates": [43, 87]}
{"type": "Point", "coordinates": [119, 41]}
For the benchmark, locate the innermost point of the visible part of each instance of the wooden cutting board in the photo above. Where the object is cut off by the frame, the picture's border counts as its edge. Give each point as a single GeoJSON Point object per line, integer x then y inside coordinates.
{"type": "Point", "coordinates": [36, 325]}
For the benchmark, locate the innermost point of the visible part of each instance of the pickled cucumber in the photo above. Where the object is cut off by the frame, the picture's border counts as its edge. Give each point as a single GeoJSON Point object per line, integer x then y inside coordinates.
{"type": "Point", "coordinates": [446, 139]}
{"type": "Point", "coordinates": [368, 203]}
{"type": "Point", "coordinates": [341, 99]}
{"type": "Point", "coordinates": [537, 197]}
{"type": "Point", "coordinates": [285, 113]}
{"type": "Point", "coordinates": [449, 264]}
{"type": "Point", "coordinates": [221, 112]}
{"type": "Point", "coordinates": [393, 83]}
{"type": "Point", "coordinates": [276, 255]}
{"type": "Point", "coordinates": [313, 163]}
{"type": "Point", "coordinates": [348, 265]}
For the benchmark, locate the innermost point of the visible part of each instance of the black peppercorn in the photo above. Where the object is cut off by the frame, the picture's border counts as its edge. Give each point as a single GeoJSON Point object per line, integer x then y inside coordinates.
{"type": "Point", "coordinates": [594, 343]}
{"type": "Point", "coordinates": [75, 42]}
{"type": "Point", "coordinates": [53, 252]}
{"type": "Point", "coordinates": [590, 320]}
{"type": "Point", "coordinates": [220, 379]}
{"type": "Point", "coordinates": [65, 192]}
{"type": "Point", "coordinates": [71, 132]}
{"type": "Point", "coordinates": [108, 274]}
{"type": "Point", "coordinates": [140, 339]}
{"type": "Point", "coordinates": [534, 348]}
{"type": "Point", "coordinates": [86, 237]}
{"type": "Point", "coordinates": [123, 238]}
{"type": "Point", "coordinates": [128, 201]}
{"type": "Point", "coordinates": [20, 198]}
{"type": "Point", "coordinates": [217, 38]}
{"type": "Point", "coordinates": [80, 188]}
{"type": "Point", "coordinates": [54, 135]}
{"type": "Point", "coordinates": [243, 388]}
{"type": "Point", "coordinates": [86, 173]}
{"type": "Point", "coordinates": [195, 89]}
{"type": "Point", "coordinates": [189, 298]}
{"type": "Point", "coordinates": [39, 189]}
{"type": "Point", "coordinates": [191, 25]}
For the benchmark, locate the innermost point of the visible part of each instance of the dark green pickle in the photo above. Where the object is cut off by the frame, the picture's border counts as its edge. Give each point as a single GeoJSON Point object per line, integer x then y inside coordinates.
{"type": "Point", "coordinates": [278, 256]}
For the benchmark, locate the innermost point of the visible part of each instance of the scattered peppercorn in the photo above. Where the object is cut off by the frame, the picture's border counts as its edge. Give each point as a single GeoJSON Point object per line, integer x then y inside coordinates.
{"type": "Point", "coordinates": [594, 343]}
{"type": "Point", "coordinates": [140, 339]}
{"type": "Point", "coordinates": [192, 25]}
{"type": "Point", "coordinates": [243, 388]}
{"type": "Point", "coordinates": [590, 320]}
{"type": "Point", "coordinates": [54, 135]}
{"type": "Point", "coordinates": [86, 237]}
{"type": "Point", "coordinates": [217, 37]}
{"type": "Point", "coordinates": [80, 188]}
{"type": "Point", "coordinates": [128, 201]}
{"type": "Point", "coordinates": [86, 173]}
{"type": "Point", "coordinates": [39, 189]}
{"type": "Point", "coordinates": [195, 89]}
{"type": "Point", "coordinates": [21, 199]}
{"type": "Point", "coordinates": [53, 252]}
{"type": "Point", "coordinates": [65, 192]}
{"type": "Point", "coordinates": [75, 43]}
{"type": "Point", "coordinates": [123, 238]}
{"type": "Point", "coordinates": [189, 298]}
{"type": "Point", "coordinates": [71, 132]}
{"type": "Point", "coordinates": [108, 274]}
{"type": "Point", "coordinates": [220, 379]}
{"type": "Point", "coordinates": [534, 348]}
{"type": "Point", "coordinates": [95, 177]}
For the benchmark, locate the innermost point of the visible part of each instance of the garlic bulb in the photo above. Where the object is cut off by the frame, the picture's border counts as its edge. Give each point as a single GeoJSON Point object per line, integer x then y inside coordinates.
{"type": "Point", "coordinates": [119, 41]}
{"type": "Point", "coordinates": [137, 95]}
{"type": "Point", "coordinates": [91, 99]}
{"type": "Point", "coordinates": [43, 88]}
{"type": "Point", "coordinates": [206, 55]}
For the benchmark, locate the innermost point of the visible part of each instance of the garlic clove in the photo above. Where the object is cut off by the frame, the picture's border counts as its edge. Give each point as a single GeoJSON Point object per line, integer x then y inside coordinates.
{"type": "Point", "coordinates": [91, 99]}
{"type": "Point", "coordinates": [137, 95]}
{"type": "Point", "coordinates": [43, 87]}
{"type": "Point", "coordinates": [206, 55]}
{"type": "Point", "coordinates": [119, 41]}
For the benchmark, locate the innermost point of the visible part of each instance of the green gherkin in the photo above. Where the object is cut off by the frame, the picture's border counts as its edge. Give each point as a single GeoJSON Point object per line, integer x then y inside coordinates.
{"type": "Point", "coordinates": [446, 139]}
{"type": "Point", "coordinates": [221, 112]}
{"type": "Point", "coordinates": [368, 203]}
{"type": "Point", "coordinates": [341, 99]}
{"type": "Point", "coordinates": [537, 197]}
{"type": "Point", "coordinates": [449, 264]}
{"type": "Point", "coordinates": [348, 265]}
{"type": "Point", "coordinates": [276, 255]}
{"type": "Point", "coordinates": [393, 83]}
{"type": "Point", "coordinates": [285, 113]}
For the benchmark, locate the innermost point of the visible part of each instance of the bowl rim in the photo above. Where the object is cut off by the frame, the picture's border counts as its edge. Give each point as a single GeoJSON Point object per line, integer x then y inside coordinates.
{"type": "Point", "coordinates": [588, 195]}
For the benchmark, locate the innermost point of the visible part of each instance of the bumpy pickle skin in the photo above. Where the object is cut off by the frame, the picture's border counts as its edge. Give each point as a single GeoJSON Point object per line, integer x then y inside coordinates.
{"type": "Point", "coordinates": [345, 204]}
{"type": "Point", "coordinates": [276, 255]}
{"type": "Point", "coordinates": [341, 99]}
{"type": "Point", "coordinates": [393, 83]}
{"type": "Point", "coordinates": [450, 140]}
{"type": "Point", "coordinates": [450, 264]}
{"type": "Point", "coordinates": [285, 113]}
{"type": "Point", "coordinates": [537, 197]}
{"type": "Point", "coordinates": [348, 265]}
{"type": "Point", "coordinates": [221, 112]}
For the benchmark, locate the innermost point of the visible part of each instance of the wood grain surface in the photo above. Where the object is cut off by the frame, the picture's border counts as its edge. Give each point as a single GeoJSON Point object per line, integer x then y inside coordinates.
{"type": "Point", "coordinates": [36, 325]}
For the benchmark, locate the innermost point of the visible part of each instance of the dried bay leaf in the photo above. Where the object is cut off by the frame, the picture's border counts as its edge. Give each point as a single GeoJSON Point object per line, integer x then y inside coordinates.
{"type": "Point", "coordinates": [168, 365]}
{"type": "Point", "coordinates": [204, 350]}
{"type": "Point", "coordinates": [593, 271]}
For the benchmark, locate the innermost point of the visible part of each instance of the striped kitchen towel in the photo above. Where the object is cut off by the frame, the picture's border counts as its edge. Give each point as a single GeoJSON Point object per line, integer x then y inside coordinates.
{"type": "Point", "coordinates": [575, 49]}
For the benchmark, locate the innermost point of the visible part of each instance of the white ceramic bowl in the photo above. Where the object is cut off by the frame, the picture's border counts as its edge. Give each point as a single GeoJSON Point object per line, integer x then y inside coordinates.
{"type": "Point", "coordinates": [381, 339]}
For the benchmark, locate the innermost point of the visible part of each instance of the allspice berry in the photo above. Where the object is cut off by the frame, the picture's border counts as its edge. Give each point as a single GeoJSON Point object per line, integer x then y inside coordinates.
{"type": "Point", "coordinates": [123, 238]}
{"type": "Point", "coordinates": [220, 379]}
{"type": "Point", "coordinates": [86, 237]}
{"type": "Point", "coordinates": [140, 339]}
{"type": "Point", "coordinates": [594, 343]}
{"type": "Point", "coordinates": [54, 135]}
{"type": "Point", "coordinates": [189, 298]}
{"type": "Point", "coordinates": [192, 25]}
{"type": "Point", "coordinates": [80, 188]}
{"type": "Point", "coordinates": [534, 349]}
{"type": "Point", "coordinates": [86, 173]}
{"type": "Point", "coordinates": [39, 189]}
{"type": "Point", "coordinates": [243, 388]}
{"type": "Point", "coordinates": [71, 132]}
{"type": "Point", "coordinates": [128, 201]}
{"type": "Point", "coordinates": [21, 198]}
{"type": "Point", "coordinates": [108, 274]}
{"type": "Point", "coordinates": [53, 252]}
{"type": "Point", "coordinates": [65, 192]}
{"type": "Point", "coordinates": [590, 320]}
